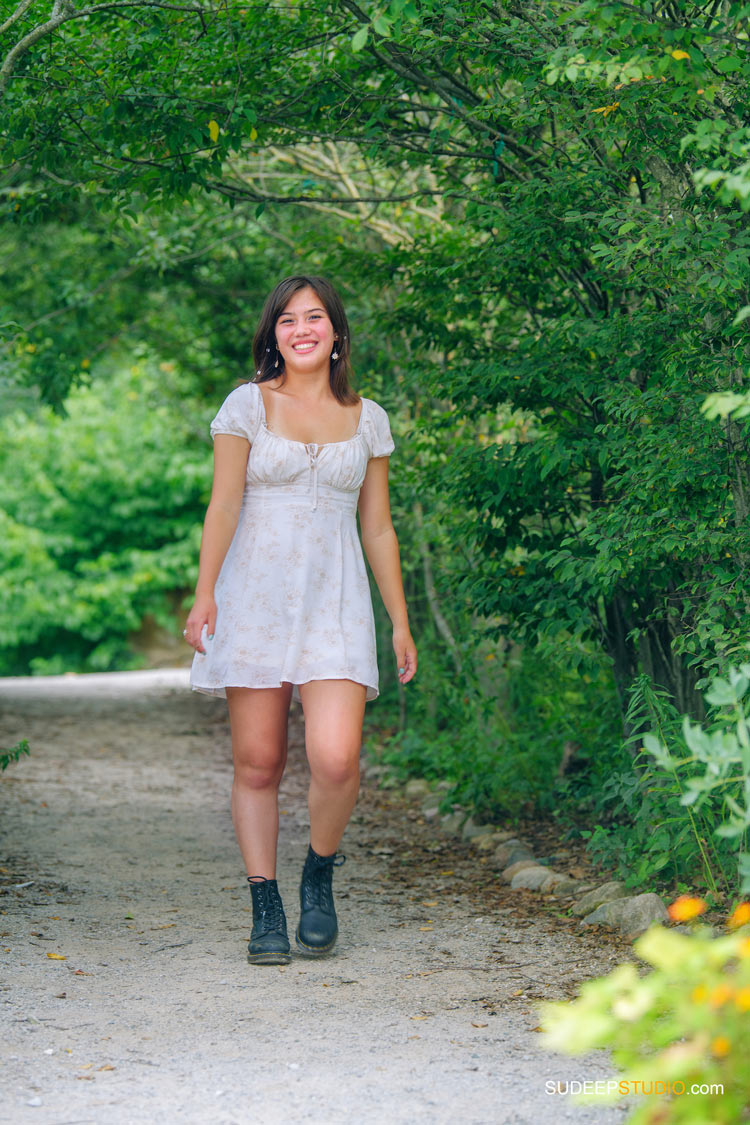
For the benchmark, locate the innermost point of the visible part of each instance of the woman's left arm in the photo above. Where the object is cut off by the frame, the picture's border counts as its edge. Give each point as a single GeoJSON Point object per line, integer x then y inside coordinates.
{"type": "Point", "coordinates": [381, 547]}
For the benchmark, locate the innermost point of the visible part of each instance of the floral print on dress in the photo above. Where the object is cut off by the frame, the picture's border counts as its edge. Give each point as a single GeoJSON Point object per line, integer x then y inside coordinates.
{"type": "Point", "coordinates": [293, 596]}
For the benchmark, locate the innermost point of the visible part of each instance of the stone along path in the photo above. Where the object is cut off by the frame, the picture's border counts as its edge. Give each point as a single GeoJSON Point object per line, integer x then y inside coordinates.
{"type": "Point", "coordinates": [124, 916]}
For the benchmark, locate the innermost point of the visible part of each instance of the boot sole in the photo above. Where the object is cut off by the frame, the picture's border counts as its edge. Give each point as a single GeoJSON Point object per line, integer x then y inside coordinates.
{"type": "Point", "coordinates": [314, 950]}
{"type": "Point", "coordinates": [269, 958]}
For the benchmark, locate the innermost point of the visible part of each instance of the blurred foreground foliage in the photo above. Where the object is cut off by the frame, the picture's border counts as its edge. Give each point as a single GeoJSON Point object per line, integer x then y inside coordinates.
{"type": "Point", "coordinates": [677, 1032]}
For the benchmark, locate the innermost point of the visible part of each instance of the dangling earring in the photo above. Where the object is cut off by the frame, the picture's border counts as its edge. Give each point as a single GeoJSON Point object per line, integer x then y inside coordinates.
{"type": "Point", "coordinates": [276, 364]}
{"type": "Point", "coordinates": [334, 353]}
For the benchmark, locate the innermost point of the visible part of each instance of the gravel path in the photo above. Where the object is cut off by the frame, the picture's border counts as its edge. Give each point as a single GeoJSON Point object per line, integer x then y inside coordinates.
{"type": "Point", "coordinates": [124, 917]}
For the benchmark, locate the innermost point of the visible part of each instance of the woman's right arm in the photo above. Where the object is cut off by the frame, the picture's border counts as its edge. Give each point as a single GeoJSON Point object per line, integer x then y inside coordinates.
{"type": "Point", "coordinates": [230, 467]}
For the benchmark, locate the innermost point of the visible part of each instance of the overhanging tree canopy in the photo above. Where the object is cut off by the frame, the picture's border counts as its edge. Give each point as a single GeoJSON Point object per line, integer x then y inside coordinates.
{"type": "Point", "coordinates": [566, 256]}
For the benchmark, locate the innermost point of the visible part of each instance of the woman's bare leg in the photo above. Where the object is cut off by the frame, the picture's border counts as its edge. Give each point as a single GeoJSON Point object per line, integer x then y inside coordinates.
{"type": "Point", "coordinates": [258, 717]}
{"type": "Point", "coordinates": [334, 710]}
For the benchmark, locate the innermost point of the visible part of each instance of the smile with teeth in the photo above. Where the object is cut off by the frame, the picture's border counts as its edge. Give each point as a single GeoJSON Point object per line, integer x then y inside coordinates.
{"type": "Point", "coordinates": [305, 347]}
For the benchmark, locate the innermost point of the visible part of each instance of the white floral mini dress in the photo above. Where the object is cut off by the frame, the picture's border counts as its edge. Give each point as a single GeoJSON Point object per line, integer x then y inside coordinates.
{"type": "Point", "coordinates": [293, 598]}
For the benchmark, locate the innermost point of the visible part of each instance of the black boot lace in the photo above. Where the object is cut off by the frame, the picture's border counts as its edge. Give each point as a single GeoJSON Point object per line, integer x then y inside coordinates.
{"type": "Point", "coordinates": [317, 877]}
{"type": "Point", "coordinates": [269, 910]}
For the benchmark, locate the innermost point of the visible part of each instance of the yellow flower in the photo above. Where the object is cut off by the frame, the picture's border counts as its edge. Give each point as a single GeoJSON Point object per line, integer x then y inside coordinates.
{"type": "Point", "coordinates": [721, 1046]}
{"type": "Point", "coordinates": [742, 1000]}
{"type": "Point", "coordinates": [740, 915]}
{"type": "Point", "coordinates": [744, 947]}
{"type": "Point", "coordinates": [699, 994]}
{"type": "Point", "coordinates": [720, 995]}
{"type": "Point", "coordinates": [686, 907]}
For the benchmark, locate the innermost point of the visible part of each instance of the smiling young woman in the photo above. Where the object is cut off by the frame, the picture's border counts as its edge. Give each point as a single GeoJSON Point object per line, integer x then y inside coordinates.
{"type": "Point", "coordinates": [282, 607]}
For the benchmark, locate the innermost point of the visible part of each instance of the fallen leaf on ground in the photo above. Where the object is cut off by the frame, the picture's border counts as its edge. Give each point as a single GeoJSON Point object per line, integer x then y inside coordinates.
{"type": "Point", "coordinates": [473, 1024]}
{"type": "Point", "coordinates": [57, 957]}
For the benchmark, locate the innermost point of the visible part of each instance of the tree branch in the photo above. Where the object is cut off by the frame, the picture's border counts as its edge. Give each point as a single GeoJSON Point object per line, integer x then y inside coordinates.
{"type": "Point", "coordinates": [62, 12]}
{"type": "Point", "coordinates": [22, 7]}
{"type": "Point", "coordinates": [429, 584]}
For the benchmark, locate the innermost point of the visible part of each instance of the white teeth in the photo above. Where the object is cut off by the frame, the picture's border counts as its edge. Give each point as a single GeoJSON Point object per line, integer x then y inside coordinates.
{"type": "Point", "coordinates": [303, 347]}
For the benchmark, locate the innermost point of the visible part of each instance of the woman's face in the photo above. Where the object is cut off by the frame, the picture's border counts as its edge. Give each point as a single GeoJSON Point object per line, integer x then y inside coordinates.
{"type": "Point", "coordinates": [304, 332]}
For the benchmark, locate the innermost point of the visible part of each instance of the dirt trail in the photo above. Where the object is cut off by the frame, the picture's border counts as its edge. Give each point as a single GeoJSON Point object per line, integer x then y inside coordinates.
{"type": "Point", "coordinates": [119, 827]}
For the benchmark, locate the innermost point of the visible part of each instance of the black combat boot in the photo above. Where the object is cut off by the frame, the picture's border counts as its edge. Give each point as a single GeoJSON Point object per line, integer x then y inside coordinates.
{"type": "Point", "coordinates": [318, 928]}
{"type": "Point", "coordinates": [269, 944]}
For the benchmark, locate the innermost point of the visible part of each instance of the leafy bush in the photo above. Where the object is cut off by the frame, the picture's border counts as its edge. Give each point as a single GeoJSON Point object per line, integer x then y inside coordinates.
{"type": "Point", "coordinates": [722, 751]}
{"type": "Point", "coordinates": [13, 753]}
{"type": "Point", "coordinates": [100, 516]}
{"type": "Point", "coordinates": [676, 1031]}
{"type": "Point", "coordinates": [666, 822]}
{"type": "Point", "coordinates": [500, 741]}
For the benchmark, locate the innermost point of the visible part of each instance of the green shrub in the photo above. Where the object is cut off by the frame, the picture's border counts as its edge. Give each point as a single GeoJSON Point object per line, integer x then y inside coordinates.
{"type": "Point", "coordinates": [13, 753]}
{"type": "Point", "coordinates": [663, 820]}
{"type": "Point", "coordinates": [499, 740]}
{"type": "Point", "coordinates": [674, 1032]}
{"type": "Point", "coordinates": [101, 526]}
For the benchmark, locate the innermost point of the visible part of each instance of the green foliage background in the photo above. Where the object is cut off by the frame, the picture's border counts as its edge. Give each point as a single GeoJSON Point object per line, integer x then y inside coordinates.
{"type": "Point", "coordinates": [538, 218]}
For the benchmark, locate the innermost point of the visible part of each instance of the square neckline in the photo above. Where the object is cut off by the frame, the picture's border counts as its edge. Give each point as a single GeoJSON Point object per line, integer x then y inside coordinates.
{"type": "Point", "coordinates": [310, 444]}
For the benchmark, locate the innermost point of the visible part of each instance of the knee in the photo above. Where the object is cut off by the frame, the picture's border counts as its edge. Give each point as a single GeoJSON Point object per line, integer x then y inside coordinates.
{"type": "Point", "coordinates": [336, 769]}
{"type": "Point", "coordinates": [254, 771]}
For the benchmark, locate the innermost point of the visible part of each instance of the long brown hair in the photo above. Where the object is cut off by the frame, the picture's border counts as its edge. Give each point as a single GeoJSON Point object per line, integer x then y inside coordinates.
{"type": "Point", "coordinates": [265, 352]}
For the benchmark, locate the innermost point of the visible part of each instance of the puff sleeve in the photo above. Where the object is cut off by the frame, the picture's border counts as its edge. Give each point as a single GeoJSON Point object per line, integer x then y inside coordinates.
{"type": "Point", "coordinates": [240, 413]}
{"type": "Point", "coordinates": [378, 431]}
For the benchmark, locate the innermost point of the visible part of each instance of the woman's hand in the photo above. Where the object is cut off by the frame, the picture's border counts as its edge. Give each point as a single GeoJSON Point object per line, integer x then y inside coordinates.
{"type": "Point", "coordinates": [202, 613]}
{"type": "Point", "coordinates": [406, 655]}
